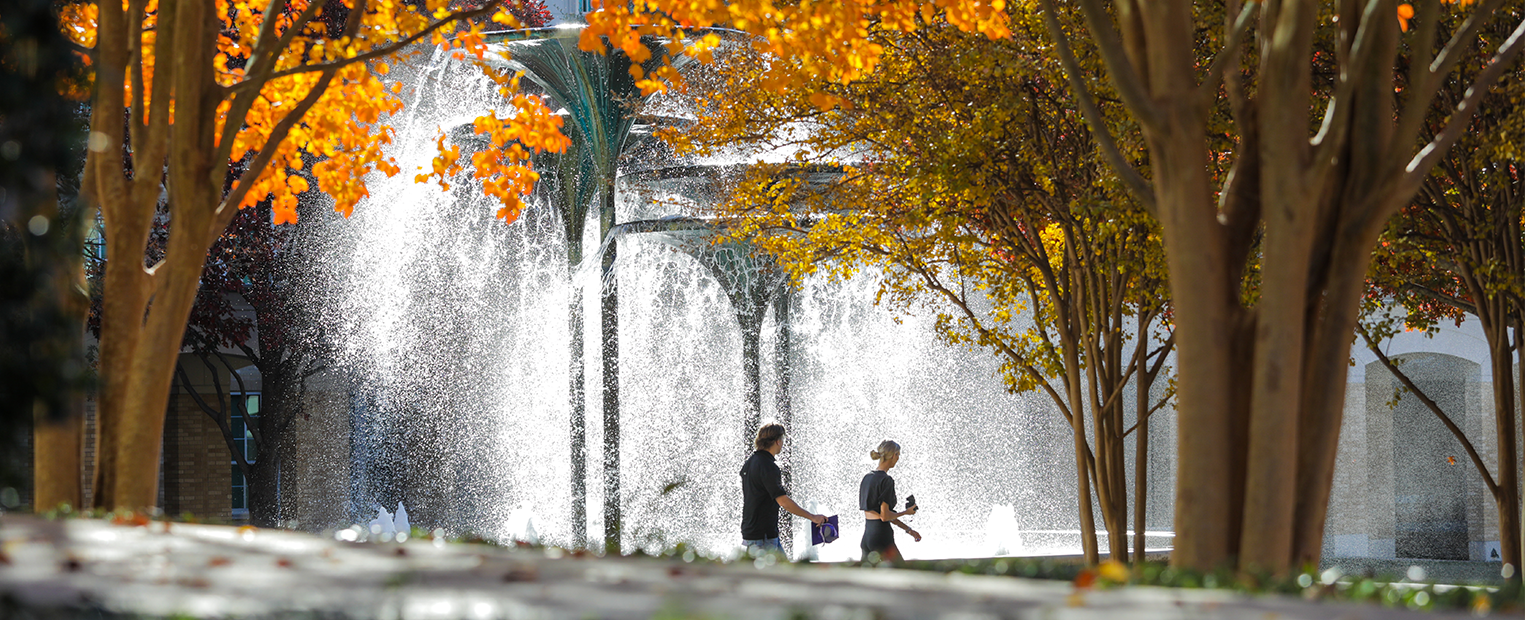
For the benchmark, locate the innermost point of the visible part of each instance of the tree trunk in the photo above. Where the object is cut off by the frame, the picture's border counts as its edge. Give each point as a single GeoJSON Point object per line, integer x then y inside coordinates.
{"type": "Point", "coordinates": [1519, 347]}
{"type": "Point", "coordinates": [280, 407]}
{"type": "Point", "coordinates": [1504, 412]}
{"type": "Point", "coordinates": [578, 397]}
{"type": "Point", "coordinates": [137, 362]}
{"type": "Point", "coordinates": [57, 450]}
{"type": "Point", "coordinates": [1141, 468]}
{"type": "Point", "coordinates": [751, 372]}
{"type": "Point", "coordinates": [1091, 285]}
{"type": "Point", "coordinates": [144, 311]}
{"type": "Point", "coordinates": [1082, 450]}
{"type": "Point", "coordinates": [1214, 387]}
{"type": "Point", "coordinates": [1269, 383]}
{"type": "Point", "coordinates": [264, 490]}
{"type": "Point", "coordinates": [1143, 404]}
{"type": "Point", "coordinates": [782, 374]}
{"type": "Point", "coordinates": [1281, 331]}
{"type": "Point", "coordinates": [611, 364]}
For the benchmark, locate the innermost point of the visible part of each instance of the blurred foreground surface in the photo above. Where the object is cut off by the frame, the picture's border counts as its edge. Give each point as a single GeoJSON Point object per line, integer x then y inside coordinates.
{"type": "Point", "coordinates": [95, 569]}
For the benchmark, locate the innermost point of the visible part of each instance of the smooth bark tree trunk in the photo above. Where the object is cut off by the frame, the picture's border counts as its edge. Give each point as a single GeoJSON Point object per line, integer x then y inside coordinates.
{"type": "Point", "coordinates": [144, 311]}
{"type": "Point", "coordinates": [1145, 408]}
{"type": "Point", "coordinates": [577, 395]}
{"type": "Point", "coordinates": [611, 368]}
{"type": "Point", "coordinates": [58, 450]}
{"type": "Point", "coordinates": [1519, 406]}
{"type": "Point", "coordinates": [1208, 324]}
{"type": "Point", "coordinates": [144, 308]}
{"type": "Point", "coordinates": [782, 375]}
{"type": "Point", "coordinates": [137, 361]}
{"type": "Point", "coordinates": [1088, 545]}
{"type": "Point", "coordinates": [751, 372]}
{"type": "Point", "coordinates": [1141, 471]}
{"type": "Point", "coordinates": [1508, 501]}
{"type": "Point", "coordinates": [1261, 389]}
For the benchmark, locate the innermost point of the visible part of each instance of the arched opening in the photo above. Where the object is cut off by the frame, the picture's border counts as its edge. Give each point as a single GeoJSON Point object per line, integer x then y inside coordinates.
{"type": "Point", "coordinates": [1429, 465]}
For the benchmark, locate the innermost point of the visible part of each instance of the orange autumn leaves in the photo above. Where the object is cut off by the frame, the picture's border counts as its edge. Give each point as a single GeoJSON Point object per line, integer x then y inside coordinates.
{"type": "Point", "coordinates": [342, 137]}
{"type": "Point", "coordinates": [1406, 12]}
{"type": "Point", "coordinates": [505, 169]}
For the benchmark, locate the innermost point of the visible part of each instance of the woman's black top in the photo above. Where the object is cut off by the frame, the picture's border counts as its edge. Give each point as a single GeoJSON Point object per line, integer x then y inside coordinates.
{"type": "Point", "coordinates": [877, 488]}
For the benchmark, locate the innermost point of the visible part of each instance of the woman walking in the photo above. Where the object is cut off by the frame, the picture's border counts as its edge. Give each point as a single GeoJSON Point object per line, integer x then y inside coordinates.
{"type": "Point", "coordinates": [876, 498]}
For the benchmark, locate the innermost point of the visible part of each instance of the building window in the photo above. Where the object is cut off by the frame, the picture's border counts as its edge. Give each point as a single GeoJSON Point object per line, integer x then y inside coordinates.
{"type": "Point", "coordinates": [240, 493]}
{"type": "Point", "coordinates": [584, 6]}
{"type": "Point", "coordinates": [245, 411]}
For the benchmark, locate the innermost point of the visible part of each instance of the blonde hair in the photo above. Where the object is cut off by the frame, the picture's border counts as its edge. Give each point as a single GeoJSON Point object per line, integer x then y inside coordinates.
{"type": "Point", "coordinates": [886, 449]}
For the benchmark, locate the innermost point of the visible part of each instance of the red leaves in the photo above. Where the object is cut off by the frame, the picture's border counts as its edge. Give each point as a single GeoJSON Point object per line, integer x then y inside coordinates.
{"type": "Point", "coordinates": [130, 519]}
{"type": "Point", "coordinates": [1085, 579]}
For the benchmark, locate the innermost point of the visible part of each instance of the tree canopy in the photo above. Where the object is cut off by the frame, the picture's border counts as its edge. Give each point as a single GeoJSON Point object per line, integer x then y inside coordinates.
{"type": "Point", "coordinates": [964, 176]}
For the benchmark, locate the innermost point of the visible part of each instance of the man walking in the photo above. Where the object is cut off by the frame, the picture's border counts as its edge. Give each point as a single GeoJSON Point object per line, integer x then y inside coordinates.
{"type": "Point", "coordinates": [763, 493]}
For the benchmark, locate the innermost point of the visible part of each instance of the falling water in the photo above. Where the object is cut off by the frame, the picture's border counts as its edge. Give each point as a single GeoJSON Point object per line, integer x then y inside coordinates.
{"type": "Point", "coordinates": [455, 341]}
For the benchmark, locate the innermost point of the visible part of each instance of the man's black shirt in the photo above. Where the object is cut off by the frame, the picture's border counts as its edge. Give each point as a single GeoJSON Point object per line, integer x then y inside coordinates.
{"type": "Point", "coordinates": [761, 485]}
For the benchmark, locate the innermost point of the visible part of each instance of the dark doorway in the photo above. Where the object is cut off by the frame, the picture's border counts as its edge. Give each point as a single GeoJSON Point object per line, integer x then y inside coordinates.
{"type": "Point", "coordinates": [1429, 464]}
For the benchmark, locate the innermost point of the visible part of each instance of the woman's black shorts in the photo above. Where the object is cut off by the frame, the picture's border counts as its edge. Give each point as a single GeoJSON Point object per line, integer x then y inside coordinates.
{"type": "Point", "coordinates": [877, 536]}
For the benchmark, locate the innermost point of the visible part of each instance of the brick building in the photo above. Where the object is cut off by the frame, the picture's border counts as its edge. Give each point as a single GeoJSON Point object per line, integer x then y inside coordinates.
{"type": "Point", "coordinates": [198, 475]}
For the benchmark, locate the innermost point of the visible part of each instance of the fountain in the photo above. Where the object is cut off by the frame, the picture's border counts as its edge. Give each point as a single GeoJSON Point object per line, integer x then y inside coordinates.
{"type": "Point", "coordinates": [463, 339]}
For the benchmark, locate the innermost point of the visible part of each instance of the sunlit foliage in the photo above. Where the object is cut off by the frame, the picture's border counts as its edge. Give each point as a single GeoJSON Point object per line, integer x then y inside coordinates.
{"type": "Point", "coordinates": [961, 173]}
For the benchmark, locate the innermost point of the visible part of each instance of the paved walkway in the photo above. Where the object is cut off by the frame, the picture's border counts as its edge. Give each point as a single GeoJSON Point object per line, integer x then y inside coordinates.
{"type": "Point", "coordinates": [203, 571]}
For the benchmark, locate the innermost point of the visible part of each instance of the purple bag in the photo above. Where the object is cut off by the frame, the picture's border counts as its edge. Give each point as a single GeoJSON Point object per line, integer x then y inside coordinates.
{"type": "Point", "coordinates": [823, 533]}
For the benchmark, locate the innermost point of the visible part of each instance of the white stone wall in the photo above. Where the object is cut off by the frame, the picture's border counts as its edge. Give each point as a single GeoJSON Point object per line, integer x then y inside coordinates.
{"type": "Point", "coordinates": [1361, 519]}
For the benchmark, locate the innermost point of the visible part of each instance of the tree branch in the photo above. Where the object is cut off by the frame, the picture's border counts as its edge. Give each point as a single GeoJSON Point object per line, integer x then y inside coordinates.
{"type": "Point", "coordinates": [1331, 138]}
{"type": "Point", "coordinates": [264, 59]}
{"type": "Point", "coordinates": [227, 432]}
{"type": "Point", "coordinates": [387, 50]}
{"type": "Point", "coordinates": [231, 202]}
{"type": "Point", "coordinates": [1147, 414]}
{"type": "Point", "coordinates": [1461, 118]}
{"type": "Point", "coordinates": [259, 439]}
{"type": "Point", "coordinates": [1163, 352]}
{"type": "Point", "coordinates": [1124, 75]}
{"type": "Point", "coordinates": [1449, 300]}
{"type": "Point", "coordinates": [1422, 81]}
{"type": "Point", "coordinates": [1216, 70]}
{"type": "Point", "coordinates": [1136, 183]}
